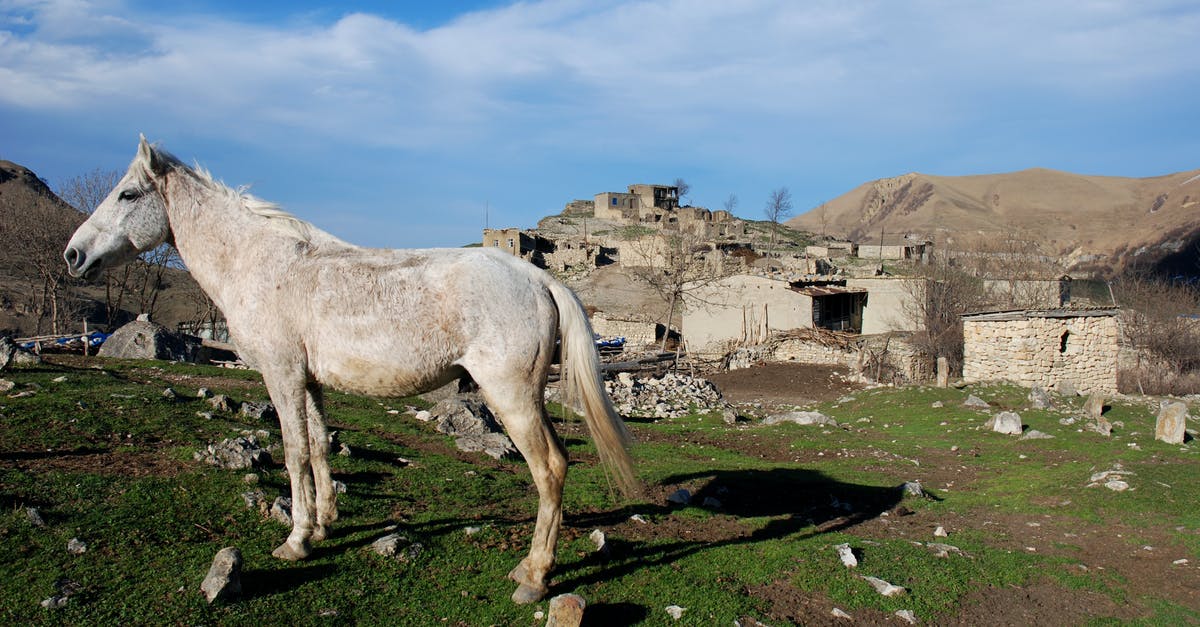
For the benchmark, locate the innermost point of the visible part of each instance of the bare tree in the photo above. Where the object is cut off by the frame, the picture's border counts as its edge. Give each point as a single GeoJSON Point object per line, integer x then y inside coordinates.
{"type": "Point", "coordinates": [940, 295]}
{"type": "Point", "coordinates": [822, 213]}
{"type": "Point", "coordinates": [681, 189]}
{"type": "Point", "coordinates": [36, 239]}
{"type": "Point", "coordinates": [674, 264]}
{"type": "Point", "coordinates": [86, 191]}
{"type": "Point", "coordinates": [731, 203]}
{"type": "Point", "coordinates": [778, 208]}
{"type": "Point", "coordinates": [1159, 321]}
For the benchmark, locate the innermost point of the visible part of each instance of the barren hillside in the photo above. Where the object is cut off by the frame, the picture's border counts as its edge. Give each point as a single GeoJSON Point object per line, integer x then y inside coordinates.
{"type": "Point", "coordinates": [1091, 222]}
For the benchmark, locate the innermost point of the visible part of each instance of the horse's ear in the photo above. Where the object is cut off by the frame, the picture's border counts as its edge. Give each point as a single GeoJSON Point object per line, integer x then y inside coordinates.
{"type": "Point", "coordinates": [150, 157]}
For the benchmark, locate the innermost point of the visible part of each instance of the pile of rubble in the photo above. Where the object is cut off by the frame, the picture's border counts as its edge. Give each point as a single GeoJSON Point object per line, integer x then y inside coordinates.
{"type": "Point", "coordinates": [668, 396]}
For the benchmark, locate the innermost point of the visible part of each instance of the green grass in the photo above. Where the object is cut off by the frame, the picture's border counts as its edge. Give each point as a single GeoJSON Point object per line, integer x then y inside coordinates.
{"type": "Point", "coordinates": [107, 459]}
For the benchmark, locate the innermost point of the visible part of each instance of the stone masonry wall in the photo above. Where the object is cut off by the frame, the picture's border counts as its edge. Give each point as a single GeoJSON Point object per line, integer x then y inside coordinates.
{"type": "Point", "coordinates": [1044, 351]}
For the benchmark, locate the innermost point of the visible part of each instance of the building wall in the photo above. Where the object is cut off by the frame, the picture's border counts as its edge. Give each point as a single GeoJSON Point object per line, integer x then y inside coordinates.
{"type": "Point", "coordinates": [890, 305]}
{"type": "Point", "coordinates": [1031, 351]}
{"type": "Point", "coordinates": [637, 333]}
{"type": "Point", "coordinates": [508, 240]}
{"type": "Point", "coordinates": [741, 309]}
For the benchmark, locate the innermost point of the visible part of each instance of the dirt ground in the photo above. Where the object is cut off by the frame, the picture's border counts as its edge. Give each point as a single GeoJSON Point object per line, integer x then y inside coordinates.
{"type": "Point", "coordinates": [787, 384]}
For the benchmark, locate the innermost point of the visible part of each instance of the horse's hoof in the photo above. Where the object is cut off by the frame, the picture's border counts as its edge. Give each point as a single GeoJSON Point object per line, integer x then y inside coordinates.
{"type": "Point", "coordinates": [518, 573]}
{"type": "Point", "coordinates": [290, 553]}
{"type": "Point", "coordinates": [526, 594]}
{"type": "Point", "coordinates": [320, 532]}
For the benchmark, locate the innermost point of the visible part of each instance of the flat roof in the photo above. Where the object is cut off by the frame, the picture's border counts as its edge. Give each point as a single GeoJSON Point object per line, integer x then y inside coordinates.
{"type": "Point", "coordinates": [1025, 314]}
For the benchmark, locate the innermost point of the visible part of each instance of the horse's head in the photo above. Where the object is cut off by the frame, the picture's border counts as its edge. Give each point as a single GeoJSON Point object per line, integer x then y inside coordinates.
{"type": "Point", "coordinates": [130, 221]}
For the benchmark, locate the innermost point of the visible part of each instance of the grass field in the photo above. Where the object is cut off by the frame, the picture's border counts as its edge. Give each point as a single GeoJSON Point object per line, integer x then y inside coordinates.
{"type": "Point", "coordinates": [105, 458]}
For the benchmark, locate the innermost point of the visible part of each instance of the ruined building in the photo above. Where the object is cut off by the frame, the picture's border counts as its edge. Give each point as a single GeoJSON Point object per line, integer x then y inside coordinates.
{"type": "Point", "coordinates": [657, 206]}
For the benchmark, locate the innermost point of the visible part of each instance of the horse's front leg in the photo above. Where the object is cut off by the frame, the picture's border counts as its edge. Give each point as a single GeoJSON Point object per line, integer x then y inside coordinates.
{"type": "Point", "coordinates": [288, 394]}
{"type": "Point", "coordinates": [318, 447]}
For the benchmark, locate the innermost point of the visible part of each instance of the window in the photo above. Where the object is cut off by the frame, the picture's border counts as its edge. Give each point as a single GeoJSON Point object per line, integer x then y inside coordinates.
{"type": "Point", "coordinates": [511, 243]}
{"type": "Point", "coordinates": [614, 201]}
{"type": "Point", "coordinates": [1062, 341]}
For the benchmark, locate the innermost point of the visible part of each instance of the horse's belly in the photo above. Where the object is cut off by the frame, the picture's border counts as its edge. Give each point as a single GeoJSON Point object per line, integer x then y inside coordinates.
{"type": "Point", "coordinates": [383, 378]}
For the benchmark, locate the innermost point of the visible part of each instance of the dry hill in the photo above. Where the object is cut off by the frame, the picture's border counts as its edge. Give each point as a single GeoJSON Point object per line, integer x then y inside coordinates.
{"type": "Point", "coordinates": [1098, 223]}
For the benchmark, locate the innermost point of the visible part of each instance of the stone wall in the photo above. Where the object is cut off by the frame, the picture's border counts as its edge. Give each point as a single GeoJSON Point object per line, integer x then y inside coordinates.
{"type": "Point", "coordinates": [637, 333]}
{"type": "Point", "coordinates": [1043, 348]}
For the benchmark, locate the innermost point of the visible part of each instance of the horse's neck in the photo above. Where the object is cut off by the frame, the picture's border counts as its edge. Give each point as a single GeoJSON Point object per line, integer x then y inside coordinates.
{"type": "Point", "coordinates": [226, 248]}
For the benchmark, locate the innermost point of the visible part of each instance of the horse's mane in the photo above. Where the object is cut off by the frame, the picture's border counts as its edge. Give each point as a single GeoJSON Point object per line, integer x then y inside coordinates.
{"type": "Point", "coordinates": [276, 218]}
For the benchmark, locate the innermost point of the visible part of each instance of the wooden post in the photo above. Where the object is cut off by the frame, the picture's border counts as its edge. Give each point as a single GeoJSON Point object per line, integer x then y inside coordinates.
{"type": "Point", "coordinates": [86, 339]}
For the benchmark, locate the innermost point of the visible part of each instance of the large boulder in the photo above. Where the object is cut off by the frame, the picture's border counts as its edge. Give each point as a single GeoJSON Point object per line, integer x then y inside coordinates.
{"type": "Point", "coordinates": [142, 339]}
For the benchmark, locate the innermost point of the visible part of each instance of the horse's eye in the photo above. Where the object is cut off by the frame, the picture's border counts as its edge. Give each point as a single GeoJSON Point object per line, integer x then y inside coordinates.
{"type": "Point", "coordinates": [131, 194]}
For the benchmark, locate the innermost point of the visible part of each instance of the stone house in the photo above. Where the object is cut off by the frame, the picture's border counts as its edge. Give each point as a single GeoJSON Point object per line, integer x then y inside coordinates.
{"type": "Point", "coordinates": [552, 254]}
{"type": "Point", "coordinates": [1046, 347]}
{"type": "Point", "coordinates": [901, 248]}
{"type": "Point", "coordinates": [831, 249]}
{"type": "Point", "coordinates": [657, 206]}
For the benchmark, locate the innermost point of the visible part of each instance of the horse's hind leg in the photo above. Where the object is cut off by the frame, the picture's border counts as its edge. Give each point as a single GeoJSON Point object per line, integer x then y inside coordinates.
{"type": "Point", "coordinates": [318, 447]}
{"type": "Point", "coordinates": [524, 420]}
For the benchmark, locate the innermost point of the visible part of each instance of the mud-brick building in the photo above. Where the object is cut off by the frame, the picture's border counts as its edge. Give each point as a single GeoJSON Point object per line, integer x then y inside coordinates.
{"type": "Point", "coordinates": [1046, 347]}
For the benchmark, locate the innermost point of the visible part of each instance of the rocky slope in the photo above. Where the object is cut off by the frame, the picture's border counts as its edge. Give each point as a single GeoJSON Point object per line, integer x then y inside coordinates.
{"type": "Point", "coordinates": [1098, 223]}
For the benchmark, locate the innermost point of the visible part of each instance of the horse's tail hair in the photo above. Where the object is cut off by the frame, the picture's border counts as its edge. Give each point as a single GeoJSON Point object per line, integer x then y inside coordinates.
{"type": "Point", "coordinates": [581, 380]}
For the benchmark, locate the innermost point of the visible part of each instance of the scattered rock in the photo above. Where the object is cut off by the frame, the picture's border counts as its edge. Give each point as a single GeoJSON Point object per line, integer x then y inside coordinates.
{"type": "Point", "coordinates": [203, 393]}
{"type": "Point", "coordinates": [220, 402]}
{"type": "Point", "coordinates": [846, 554]}
{"type": "Point", "coordinates": [262, 410]}
{"type": "Point", "coordinates": [943, 372]}
{"type": "Point", "coordinates": [474, 426]}
{"type": "Point", "coordinates": [1116, 485]}
{"type": "Point", "coordinates": [424, 415]}
{"type": "Point", "coordinates": [680, 497]}
{"type": "Point", "coordinates": [235, 453]}
{"type": "Point", "coordinates": [1039, 398]}
{"type": "Point", "coordinates": [66, 589]}
{"type": "Point", "coordinates": [974, 402]}
{"type": "Point", "coordinates": [35, 517]}
{"type": "Point", "coordinates": [938, 405]}
{"type": "Point", "coordinates": [76, 546]}
{"type": "Point", "coordinates": [6, 385]}
{"type": "Point", "coordinates": [281, 510]}
{"type": "Point", "coordinates": [801, 418]}
{"type": "Point", "coordinates": [1034, 434]}
{"type": "Point", "coordinates": [838, 613]}
{"type": "Point", "coordinates": [398, 546]}
{"type": "Point", "coordinates": [256, 499]}
{"type": "Point", "coordinates": [1171, 424]}
{"type": "Point", "coordinates": [224, 579]}
{"type": "Point", "coordinates": [883, 587]}
{"type": "Point", "coordinates": [907, 616]}
{"type": "Point", "coordinates": [142, 339]}
{"type": "Point", "coordinates": [1100, 425]}
{"type": "Point", "coordinates": [597, 537]}
{"type": "Point", "coordinates": [170, 395]}
{"type": "Point", "coordinates": [913, 488]}
{"type": "Point", "coordinates": [943, 550]}
{"type": "Point", "coordinates": [940, 532]}
{"type": "Point", "coordinates": [1067, 388]}
{"type": "Point", "coordinates": [339, 487]}
{"type": "Point", "coordinates": [675, 611]}
{"type": "Point", "coordinates": [8, 349]}
{"type": "Point", "coordinates": [344, 451]}
{"type": "Point", "coordinates": [671, 395]}
{"type": "Point", "coordinates": [1094, 406]}
{"type": "Point", "coordinates": [1006, 422]}
{"type": "Point", "coordinates": [711, 503]}
{"type": "Point", "coordinates": [495, 445]}
{"type": "Point", "coordinates": [566, 610]}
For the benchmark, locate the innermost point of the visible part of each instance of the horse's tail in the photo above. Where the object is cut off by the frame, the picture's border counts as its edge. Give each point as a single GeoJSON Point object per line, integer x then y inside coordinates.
{"type": "Point", "coordinates": [581, 379]}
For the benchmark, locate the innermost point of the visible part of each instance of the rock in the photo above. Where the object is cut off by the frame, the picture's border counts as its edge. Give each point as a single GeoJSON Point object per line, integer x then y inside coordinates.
{"type": "Point", "coordinates": [883, 587]}
{"type": "Point", "coordinates": [224, 579]}
{"type": "Point", "coordinates": [1100, 425]}
{"type": "Point", "coordinates": [203, 393]}
{"type": "Point", "coordinates": [6, 385]}
{"type": "Point", "coordinates": [398, 546]}
{"type": "Point", "coordinates": [1039, 398]}
{"type": "Point", "coordinates": [1094, 407]}
{"type": "Point", "coordinates": [220, 402]}
{"type": "Point", "coordinates": [680, 497]}
{"type": "Point", "coordinates": [940, 532]}
{"type": "Point", "coordinates": [801, 418]}
{"type": "Point", "coordinates": [170, 395]}
{"type": "Point", "coordinates": [711, 503]}
{"type": "Point", "coordinates": [943, 372]}
{"type": "Point", "coordinates": [76, 546]}
{"type": "Point", "coordinates": [670, 395]}
{"type": "Point", "coordinates": [1067, 388]}
{"type": "Point", "coordinates": [344, 451]}
{"type": "Point", "coordinates": [566, 610]}
{"type": "Point", "coordinates": [846, 554]}
{"type": "Point", "coordinates": [34, 517]}
{"type": "Point", "coordinates": [1171, 424]}
{"type": "Point", "coordinates": [598, 538]}
{"type": "Point", "coordinates": [675, 611]}
{"type": "Point", "coordinates": [938, 405]}
{"type": "Point", "coordinates": [339, 487]}
{"type": "Point", "coordinates": [8, 349]}
{"type": "Point", "coordinates": [974, 402]}
{"type": "Point", "coordinates": [262, 410]}
{"type": "Point", "coordinates": [256, 500]}
{"type": "Point", "coordinates": [281, 510]}
{"type": "Point", "coordinates": [66, 589]}
{"type": "Point", "coordinates": [142, 339]}
{"type": "Point", "coordinates": [906, 616]}
{"type": "Point", "coordinates": [943, 550]}
{"type": "Point", "coordinates": [729, 415]}
{"type": "Point", "coordinates": [461, 416]}
{"type": "Point", "coordinates": [423, 415]}
{"type": "Point", "coordinates": [838, 613]}
{"type": "Point", "coordinates": [913, 488]}
{"type": "Point", "coordinates": [495, 445]}
{"type": "Point", "coordinates": [237, 453]}
{"type": "Point", "coordinates": [1034, 434]}
{"type": "Point", "coordinates": [1116, 485]}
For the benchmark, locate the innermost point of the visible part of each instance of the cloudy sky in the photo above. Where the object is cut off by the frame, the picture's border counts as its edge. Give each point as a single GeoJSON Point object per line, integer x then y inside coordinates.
{"type": "Point", "coordinates": [402, 124]}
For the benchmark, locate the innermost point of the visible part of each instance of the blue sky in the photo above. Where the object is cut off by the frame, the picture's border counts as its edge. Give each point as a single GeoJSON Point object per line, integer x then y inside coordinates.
{"type": "Point", "coordinates": [397, 124]}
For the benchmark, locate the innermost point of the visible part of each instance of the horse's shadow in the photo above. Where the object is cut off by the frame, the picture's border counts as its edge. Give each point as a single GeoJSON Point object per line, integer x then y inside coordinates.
{"type": "Point", "coordinates": [795, 501]}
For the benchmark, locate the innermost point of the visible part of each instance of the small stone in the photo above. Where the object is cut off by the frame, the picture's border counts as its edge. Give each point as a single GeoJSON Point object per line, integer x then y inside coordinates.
{"type": "Point", "coordinates": [6, 385]}
{"type": "Point", "coordinates": [846, 554]}
{"type": "Point", "coordinates": [344, 451]}
{"type": "Point", "coordinates": [566, 610]}
{"type": "Point", "coordinates": [1034, 434]}
{"type": "Point", "coordinates": [220, 402]}
{"type": "Point", "coordinates": [203, 393]}
{"type": "Point", "coordinates": [639, 519]}
{"type": "Point", "coordinates": [884, 588]}
{"type": "Point", "coordinates": [339, 487]}
{"type": "Point", "coordinates": [935, 405]}
{"type": "Point", "coordinates": [1039, 398]}
{"type": "Point", "coordinates": [597, 537]}
{"type": "Point", "coordinates": [281, 510]}
{"type": "Point", "coordinates": [907, 616]}
{"type": "Point", "coordinates": [974, 402]}
{"type": "Point", "coordinates": [66, 589]}
{"type": "Point", "coordinates": [170, 395]}
{"type": "Point", "coordinates": [1006, 422]}
{"type": "Point", "coordinates": [76, 546]}
{"type": "Point", "coordinates": [224, 579]}
{"type": "Point", "coordinates": [913, 488]}
{"type": "Point", "coordinates": [390, 545]}
{"type": "Point", "coordinates": [258, 410]}
{"type": "Point", "coordinates": [1100, 425]}
{"type": "Point", "coordinates": [35, 517]}
{"type": "Point", "coordinates": [680, 497]}
{"type": "Point", "coordinates": [1094, 406]}
{"type": "Point", "coordinates": [675, 611]}
{"type": "Point", "coordinates": [943, 550]}
{"type": "Point", "coordinates": [1180, 562]}
{"type": "Point", "coordinates": [838, 613]}
{"type": "Point", "coordinates": [423, 415]}
{"type": "Point", "coordinates": [250, 478]}
{"type": "Point", "coordinates": [803, 418]}
{"type": "Point", "coordinates": [63, 379]}
{"type": "Point", "coordinates": [1116, 485]}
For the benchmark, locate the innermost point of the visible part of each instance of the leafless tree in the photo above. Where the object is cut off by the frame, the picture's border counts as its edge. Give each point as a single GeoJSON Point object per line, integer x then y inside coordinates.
{"type": "Point", "coordinates": [36, 240]}
{"type": "Point", "coordinates": [681, 188]}
{"type": "Point", "coordinates": [1159, 321]}
{"type": "Point", "coordinates": [674, 264]}
{"type": "Point", "coordinates": [778, 208]}
{"type": "Point", "coordinates": [731, 203]}
{"type": "Point", "coordinates": [940, 295]}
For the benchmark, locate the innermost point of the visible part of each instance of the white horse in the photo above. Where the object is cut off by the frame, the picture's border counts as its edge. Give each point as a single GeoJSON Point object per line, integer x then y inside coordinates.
{"type": "Point", "coordinates": [308, 310]}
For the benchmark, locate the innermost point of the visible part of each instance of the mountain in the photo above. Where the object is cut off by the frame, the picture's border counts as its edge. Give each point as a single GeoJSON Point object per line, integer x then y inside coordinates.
{"type": "Point", "coordinates": [1096, 224]}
